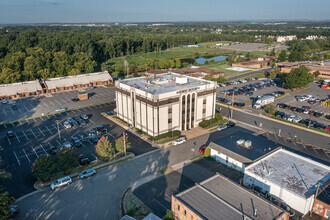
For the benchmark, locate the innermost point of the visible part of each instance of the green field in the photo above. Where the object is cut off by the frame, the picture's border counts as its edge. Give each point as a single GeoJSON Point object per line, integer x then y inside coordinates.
{"type": "Point", "coordinates": [222, 67]}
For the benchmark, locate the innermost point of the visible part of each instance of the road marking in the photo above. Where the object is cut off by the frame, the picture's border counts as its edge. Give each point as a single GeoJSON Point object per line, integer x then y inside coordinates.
{"type": "Point", "coordinates": [48, 116]}
{"type": "Point", "coordinates": [20, 123]}
{"type": "Point", "coordinates": [48, 129]}
{"type": "Point", "coordinates": [160, 204]}
{"type": "Point", "coordinates": [17, 158]}
{"type": "Point", "coordinates": [25, 135]}
{"type": "Point", "coordinates": [12, 111]}
{"type": "Point", "coordinates": [4, 111]}
{"type": "Point", "coordinates": [27, 156]}
{"type": "Point", "coordinates": [26, 108]}
{"type": "Point", "coordinates": [8, 140]}
{"type": "Point", "coordinates": [19, 109]}
{"type": "Point", "coordinates": [34, 119]}
{"type": "Point", "coordinates": [111, 135]}
{"type": "Point", "coordinates": [78, 110]}
{"type": "Point", "coordinates": [5, 126]}
{"type": "Point", "coordinates": [50, 144]}
{"type": "Point", "coordinates": [82, 144]}
{"type": "Point", "coordinates": [92, 121]}
{"type": "Point", "coordinates": [34, 151]}
{"type": "Point", "coordinates": [167, 195]}
{"type": "Point", "coordinates": [43, 149]}
{"type": "Point", "coordinates": [27, 121]}
{"type": "Point", "coordinates": [33, 133]}
{"type": "Point", "coordinates": [12, 124]}
{"type": "Point", "coordinates": [17, 138]}
{"type": "Point", "coordinates": [41, 118]}
{"type": "Point", "coordinates": [54, 127]}
{"type": "Point", "coordinates": [31, 106]}
{"type": "Point", "coordinates": [57, 102]}
{"type": "Point", "coordinates": [41, 131]}
{"type": "Point", "coordinates": [95, 157]}
{"type": "Point", "coordinates": [58, 142]}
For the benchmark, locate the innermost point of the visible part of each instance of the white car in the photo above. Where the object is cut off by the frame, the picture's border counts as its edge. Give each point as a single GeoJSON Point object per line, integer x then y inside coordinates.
{"type": "Point", "coordinates": [61, 182]}
{"type": "Point", "coordinates": [178, 141]}
{"type": "Point", "coordinates": [221, 127]}
{"type": "Point", "coordinates": [296, 119]}
{"type": "Point", "coordinates": [67, 145]}
{"type": "Point", "coordinates": [4, 101]}
{"type": "Point", "coordinates": [240, 141]}
{"type": "Point", "coordinates": [67, 124]}
{"type": "Point", "coordinates": [290, 118]}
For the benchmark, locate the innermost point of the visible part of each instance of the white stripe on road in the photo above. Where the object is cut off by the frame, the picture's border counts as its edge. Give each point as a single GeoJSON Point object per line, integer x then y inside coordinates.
{"type": "Point", "coordinates": [27, 121]}
{"type": "Point", "coordinates": [12, 124]}
{"type": "Point", "coordinates": [26, 108]}
{"type": "Point", "coordinates": [34, 119]}
{"type": "Point", "coordinates": [33, 133]}
{"type": "Point", "coordinates": [5, 126]}
{"type": "Point", "coordinates": [78, 110]}
{"type": "Point", "coordinates": [20, 123]}
{"type": "Point", "coordinates": [48, 116]}
{"type": "Point", "coordinates": [160, 204]}
{"type": "Point", "coordinates": [50, 144]}
{"type": "Point", "coordinates": [17, 158]}
{"type": "Point", "coordinates": [45, 104]}
{"type": "Point", "coordinates": [43, 149]}
{"type": "Point", "coordinates": [92, 121]}
{"type": "Point", "coordinates": [27, 156]}
{"type": "Point", "coordinates": [54, 127]}
{"type": "Point", "coordinates": [19, 110]}
{"type": "Point", "coordinates": [57, 102]}
{"type": "Point", "coordinates": [111, 135]}
{"type": "Point", "coordinates": [41, 131]}
{"type": "Point", "coordinates": [8, 140]}
{"type": "Point", "coordinates": [41, 118]}
{"type": "Point", "coordinates": [4, 111]}
{"type": "Point", "coordinates": [48, 129]}
{"type": "Point", "coordinates": [34, 151]}
{"type": "Point", "coordinates": [17, 138]}
{"type": "Point", "coordinates": [25, 135]}
{"type": "Point", "coordinates": [12, 111]}
{"type": "Point", "coordinates": [31, 106]}
{"type": "Point", "coordinates": [95, 157]}
{"type": "Point", "coordinates": [58, 142]}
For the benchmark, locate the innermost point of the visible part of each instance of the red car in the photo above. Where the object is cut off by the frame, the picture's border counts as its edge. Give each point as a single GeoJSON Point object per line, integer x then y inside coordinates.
{"type": "Point", "coordinates": [327, 128]}
{"type": "Point", "coordinates": [202, 149]}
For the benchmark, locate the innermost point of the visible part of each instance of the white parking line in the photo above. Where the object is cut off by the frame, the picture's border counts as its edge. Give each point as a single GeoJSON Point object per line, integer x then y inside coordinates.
{"type": "Point", "coordinates": [27, 121]}
{"type": "Point", "coordinates": [12, 124]}
{"type": "Point", "coordinates": [42, 118]}
{"type": "Point", "coordinates": [57, 102]}
{"type": "Point", "coordinates": [95, 157]}
{"type": "Point", "coordinates": [111, 135]}
{"type": "Point", "coordinates": [48, 129]}
{"type": "Point", "coordinates": [58, 142]}
{"type": "Point", "coordinates": [48, 116]}
{"type": "Point", "coordinates": [45, 104]}
{"type": "Point", "coordinates": [17, 158]}
{"type": "Point", "coordinates": [17, 138]}
{"type": "Point", "coordinates": [41, 131]}
{"type": "Point", "coordinates": [19, 110]}
{"type": "Point", "coordinates": [50, 144]}
{"type": "Point", "coordinates": [26, 108]}
{"type": "Point", "coordinates": [4, 111]}
{"type": "Point", "coordinates": [43, 149]}
{"type": "Point", "coordinates": [25, 135]}
{"type": "Point", "coordinates": [34, 119]}
{"type": "Point", "coordinates": [12, 111]}
{"type": "Point", "coordinates": [63, 100]}
{"type": "Point", "coordinates": [31, 106]}
{"type": "Point", "coordinates": [8, 140]}
{"type": "Point", "coordinates": [160, 203]}
{"type": "Point", "coordinates": [54, 127]}
{"type": "Point", "coordinates": [78, 110]}
{"type": "Point", "coordinates": [5, 126]}
{"type": "Point", "coordinates": [27, 156]}
{"type": "Point", "coordinates": [33, 133]}
{"type": "Point", "coordinates": [92, 121]}
{"type": "Point", "coordinates": [20, 123]}
{"type": "Point", "coordinates": [34, 151]}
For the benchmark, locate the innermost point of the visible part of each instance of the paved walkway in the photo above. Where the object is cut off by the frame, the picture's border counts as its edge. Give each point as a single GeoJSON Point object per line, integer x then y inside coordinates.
{"type": "Point", "coordinates": [195, 132]}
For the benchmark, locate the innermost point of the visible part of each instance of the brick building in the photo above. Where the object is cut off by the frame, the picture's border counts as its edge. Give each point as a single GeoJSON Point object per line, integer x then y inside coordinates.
{"type": "Point", "coordinates": [20, 89]}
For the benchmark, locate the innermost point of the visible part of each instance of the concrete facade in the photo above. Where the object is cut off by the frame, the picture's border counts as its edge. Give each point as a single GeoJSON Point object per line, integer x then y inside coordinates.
{"type": "Point", "coordinates": [163, 103]}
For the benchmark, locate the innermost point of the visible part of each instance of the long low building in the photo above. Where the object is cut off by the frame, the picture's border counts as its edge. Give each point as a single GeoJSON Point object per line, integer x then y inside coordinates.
{"type": "Point", "coordinates": [289, 177]}
{"type": "Point", "coordinates": [220, 198]}
{"type": "Point", "coordinates": [165, 102]}
{"type": "Point", "coordinates": [20, 89]}
{"type": "Point", "coordinates": [66, 83]}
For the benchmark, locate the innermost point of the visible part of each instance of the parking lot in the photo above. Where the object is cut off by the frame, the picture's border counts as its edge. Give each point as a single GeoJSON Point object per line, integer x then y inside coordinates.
{"type": "Point", "coordinates": [35, 137]}
{"type": "Point", "coordinates": [45, 104]}
{"type": "Point", "coordinates": [288, 98]}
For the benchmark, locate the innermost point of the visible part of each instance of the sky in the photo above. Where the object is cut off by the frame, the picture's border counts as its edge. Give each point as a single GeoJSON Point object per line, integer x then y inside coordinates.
{"type": "Point", "coordinates": [91, 11]}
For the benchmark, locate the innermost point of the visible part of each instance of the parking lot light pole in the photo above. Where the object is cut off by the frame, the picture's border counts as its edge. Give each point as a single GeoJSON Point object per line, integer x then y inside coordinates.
{"type": "Point", "coordinates": [58, 130]}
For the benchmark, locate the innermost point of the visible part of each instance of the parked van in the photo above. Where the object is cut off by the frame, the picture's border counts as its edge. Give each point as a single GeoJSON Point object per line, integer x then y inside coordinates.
{"type": "Point", "coordinates": [61, 182]}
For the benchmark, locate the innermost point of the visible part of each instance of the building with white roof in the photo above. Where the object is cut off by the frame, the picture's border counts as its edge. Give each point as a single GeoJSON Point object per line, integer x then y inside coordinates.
{"type": "Point", "coordinates": [165, 102]}
{"type": "Point", "coordinates": [288, 176]}
{"type": "Point", "coordinates": [20, 89]}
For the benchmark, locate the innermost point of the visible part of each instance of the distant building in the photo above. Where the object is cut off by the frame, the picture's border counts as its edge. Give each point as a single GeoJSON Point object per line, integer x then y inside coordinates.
{"type": "Point", "coordinates": [165, 102]}
{"type": "Point", "coordinates": [323, 67]}
{"type": "Point", "coordinates": [66, 83]}
{"type": "Point", "coordinates": [288, 176]}
{"type": "Point", "coordinates": [20, 89]}
{"type": "Point", "coordinates": [238, 156]}
{"type": "Point", "coordinates": [283, 39]}
{"type": "Point", "coordinates": [220, 198]}
{"type": "Point", "coordinates": [194, 71]}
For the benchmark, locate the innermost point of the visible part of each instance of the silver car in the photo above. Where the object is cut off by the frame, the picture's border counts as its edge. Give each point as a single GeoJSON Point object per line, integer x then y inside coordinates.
{"type": "Point", "coordinates": [87, 173]}
{"type": "Point", "coordinates": [61, 182]}
{"type": "Point", "coordinates": [221, 127]}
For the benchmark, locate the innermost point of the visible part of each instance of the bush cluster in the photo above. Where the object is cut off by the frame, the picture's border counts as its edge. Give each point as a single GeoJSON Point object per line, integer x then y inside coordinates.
{"type": "Point", "coordinates": [168, 134]}
{"type": "Point", "coordinates": [206, 123]}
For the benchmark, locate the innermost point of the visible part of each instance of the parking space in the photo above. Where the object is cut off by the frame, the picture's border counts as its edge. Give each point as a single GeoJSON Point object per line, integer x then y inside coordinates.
{"type": "Point", "coordinates": [35, 137]}
{"type": "Point", "coordinates": [41, 105]}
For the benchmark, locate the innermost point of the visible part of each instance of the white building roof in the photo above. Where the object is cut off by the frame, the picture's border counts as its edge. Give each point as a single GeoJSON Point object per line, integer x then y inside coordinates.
{"type": "Point", "coordinates": [66, 81]}
{"type": "Point", "coordinates": [301, 175]}
{"type": "Point", "coordinates": [20, 87]}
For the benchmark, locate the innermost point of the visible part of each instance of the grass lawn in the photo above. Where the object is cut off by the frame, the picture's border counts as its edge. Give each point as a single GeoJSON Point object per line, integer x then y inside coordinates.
{"type": "Point", "coordinates": [222, 67]}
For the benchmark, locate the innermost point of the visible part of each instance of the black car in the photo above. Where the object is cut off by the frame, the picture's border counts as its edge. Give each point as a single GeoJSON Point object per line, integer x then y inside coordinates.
{"type": "Point", "coordinates": [282, 105]}
{"type": "Point", "coordinates": [230, 124]}
{"type": "Point", "coordinates": [75, 99]}
{"type": "Point", "coordinates": [82, 122]}
{"type": "Point", "coordinates": [317, 114]}
{"type": "Point", "coordinates": [100, 130]}
{"type": "Point", "coordinates": [10, 134]}
{"type": "Point", "coordinates": [327, 117]}
{"type": "Point", "coordinates": [76, 142]}
{"type": "Point", "coordinates": [249, 93]}
{"type": "Point", "coordinates": [14, 107]}
{"type": "Point", "coordinates": [83, 160]}
{"type": "Point", "coordinates": [293, 108]}
{"type": "Point", "coordinates": [94, 139]}
{"type": "Point", "coordinates": [92, 132]}
{"type": "Point", "coordinates": [55, 149]}
{"type": "Point", "coordinates": [301, 110]}
{"type": "Point", "coordinates": [319, 126]}
{"type": "Point", "coordinates": [279, 114]}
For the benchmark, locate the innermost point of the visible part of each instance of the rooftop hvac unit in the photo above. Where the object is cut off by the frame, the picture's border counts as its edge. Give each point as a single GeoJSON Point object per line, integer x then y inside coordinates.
{"type": "Point", "coordinates": [181, 80]}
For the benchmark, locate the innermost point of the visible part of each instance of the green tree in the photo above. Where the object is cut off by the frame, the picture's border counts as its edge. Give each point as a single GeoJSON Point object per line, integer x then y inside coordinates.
{"type": "Point", "coordinates": [218, 116]}
{"type": "Point", "coordinates": [270, 109]}
{"type": "Point", "coordinates": [221, 79]}
{"type": "Point", "coordinates": [274, 72]}
{"type": "Point", "coordinates": [177, 63]}
{"type": "Point", "coordinates": [66, 159]}
{"type": "Point", "coordinates": [169, 215]}
{"type": "Point", "coordinates": [209, 77]}
{"type": "Point", "coordinates": [104, 149]}
{"type": "Point", "coordinates": [43, 167]}
{"type": "Point", "coordinates": [120, 144]}
{"type": "Point", "coordinates": [5, 201]}
{"type": "Point", "coordinates": [282, 56]}
{"type": "Point", "coordinates": [298, 78]}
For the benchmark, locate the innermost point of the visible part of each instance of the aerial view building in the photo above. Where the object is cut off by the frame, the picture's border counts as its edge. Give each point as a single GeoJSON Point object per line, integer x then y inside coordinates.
{"type": "Point", "coordinates": [165, 102]}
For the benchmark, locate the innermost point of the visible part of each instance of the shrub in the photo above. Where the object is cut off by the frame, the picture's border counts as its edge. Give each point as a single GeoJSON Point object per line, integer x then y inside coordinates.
{"type": "Point", "coordinates": [119, 143]}
{"type": "Point", "coordinates": [270, 109]}
{"type": "Point", "coordinates": [104, 149]}
{"type": "Point", "coordinates": [43, 167]}
{"type": "Point", "coordinates": [168, 134]}
{"type": "Point", "coordinates": [66, 159]}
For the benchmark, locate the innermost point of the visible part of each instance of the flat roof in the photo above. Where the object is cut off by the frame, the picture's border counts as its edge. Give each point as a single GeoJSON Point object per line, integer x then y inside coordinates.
{"type": "Point", "coordinates": [260, 146]}
{"type": "Point", "coordinates": [20, 87]}
{"type": "Point", "coordinates": [87, 78]}
{"type": "Point", "coordinates": [301, 175]}
{"type": "Point", "coordinates": [219, 196]}
{"type": "Point", "coordinates": [164, 83]}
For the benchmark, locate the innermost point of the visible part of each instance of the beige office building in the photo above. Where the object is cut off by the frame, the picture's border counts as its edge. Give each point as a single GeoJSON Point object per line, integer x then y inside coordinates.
{"type": "Point", "coordinates": [165, 102]}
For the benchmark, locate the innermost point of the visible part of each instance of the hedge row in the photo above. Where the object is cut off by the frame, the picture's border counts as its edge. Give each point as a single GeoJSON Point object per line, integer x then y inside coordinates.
{"type": "Point", "coordinates": [206, 123]}
{"type": "Point", "coordinates": [168, 134]}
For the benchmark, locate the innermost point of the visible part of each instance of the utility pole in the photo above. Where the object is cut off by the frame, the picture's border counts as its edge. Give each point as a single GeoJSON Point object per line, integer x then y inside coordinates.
{"type": "Point", "coordinates": [124, 139]}
{"type": "Point", "coordinates": [316, 194]}
{"type": "Point", "coordinates": [58, 130]}
{"type": "Point", "coordinates": [310, 118]}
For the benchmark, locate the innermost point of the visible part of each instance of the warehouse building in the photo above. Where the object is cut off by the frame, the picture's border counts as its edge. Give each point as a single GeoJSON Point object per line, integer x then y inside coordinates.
{"type": "Point", "coordinates": [241, 149]}
{"type": "Point", "coordinates": [20, 89]}
{"type": "Point", "coordinates": [288, 177]}
{"type": "Point", "coordinates": [220, 198]}
{"type": "Point", "coordinates": [165, 102]}
{"type": "Point", "coordinates": [67, 83]}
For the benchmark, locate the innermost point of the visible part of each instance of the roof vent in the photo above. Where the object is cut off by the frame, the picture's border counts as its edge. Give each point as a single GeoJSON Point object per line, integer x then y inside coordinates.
{"type": "Point", "coordinates": [181, 80]}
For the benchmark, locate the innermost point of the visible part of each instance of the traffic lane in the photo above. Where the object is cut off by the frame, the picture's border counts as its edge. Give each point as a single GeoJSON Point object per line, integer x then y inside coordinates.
{"type": "Point", "coordinates": [276, 127]}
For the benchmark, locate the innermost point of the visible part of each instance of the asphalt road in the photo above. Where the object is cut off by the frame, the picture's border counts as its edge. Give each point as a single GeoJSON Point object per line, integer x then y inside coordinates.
{"type": "Point", "coordinates": [248, 74]}
{"type": "Point", "coordinates": [276, 127]}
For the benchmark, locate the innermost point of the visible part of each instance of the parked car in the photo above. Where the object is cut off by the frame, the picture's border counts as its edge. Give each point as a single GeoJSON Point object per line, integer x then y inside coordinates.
{"type": "Point", "coordinates": [296, 119]}
{"type": "Point", "coordinates": [319, 126]}
{"type": "Point", "coordinates": [55, 149]}
{"type": "Point", "coordinates": [75, 99]}
{"type": "Point", "coordinates": [10, 134]}
{"type": "Point", "coordinates": [317, 114]}
{"type": "Point", "coordinates": [67, 124]}
{"type": "Point", "coordinates": [221, 127]}
{"type": "Point", "coordinates": [61, 109]}
{"type": "Point", "coordinates": [83, 160]}
{"type": "Point", "coordinates": [230, 124]}
{"type": "Point", "coordinates": [87, 173]}
{"type": "Point", "coordinates": [92, 132]}
{"type": "Point", "coordinates": [14, 107]}
{"type": "Point", "coordinates": [327, 128]}
{"type": "Point", "coordinates": [249, 93]}
{"type": "Point", "coordinates": [67, 145]}
{"type": "Point", "coordinates": [100, 130]}
{"type": "Point", "coordinates": [202, 149]}
{"type": "Point", "coordinates": [94, 139]}
{"type": "Point", "coordinates": [61, 182]}
{"type": "Point", "coordinates": [76, 142]}
{"type": "Point", "coordinates": [85, 117]}
{"type": "Point", "coordinates": [4, 101]}
{"type": "Point", "coordinates": [179, 140]}
{"type": "Point", "coordinates": [279, 114]}
{"type": "Point", "coordinates": [82, 122]}
{"type": "Point", "coordinates": [14, 209]}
